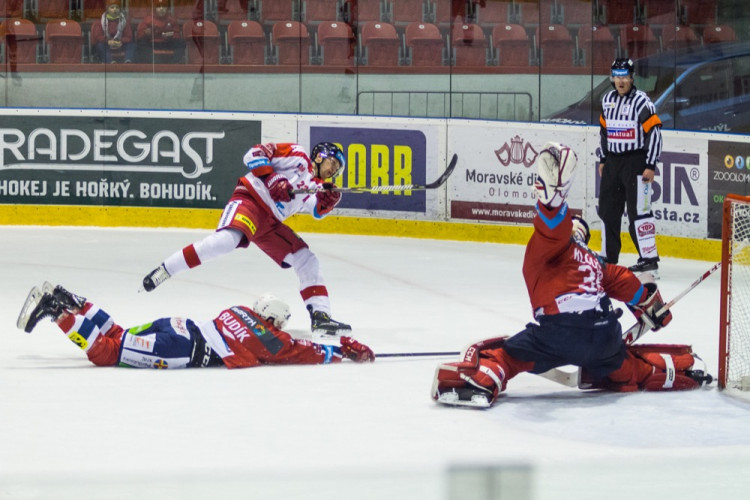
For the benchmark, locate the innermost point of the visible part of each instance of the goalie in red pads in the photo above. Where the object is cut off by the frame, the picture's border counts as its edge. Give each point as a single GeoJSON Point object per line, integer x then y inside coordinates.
{"type": "Point", "coordinates": [570, 290]}
{"type": "Point", "coordinates": [238, 337]}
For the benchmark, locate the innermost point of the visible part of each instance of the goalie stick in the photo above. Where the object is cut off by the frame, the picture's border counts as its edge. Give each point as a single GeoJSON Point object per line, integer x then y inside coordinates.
{"type": "Point", "coordinates": [384, 189]}
{"type": "Point", "coordinates": [563, 377]}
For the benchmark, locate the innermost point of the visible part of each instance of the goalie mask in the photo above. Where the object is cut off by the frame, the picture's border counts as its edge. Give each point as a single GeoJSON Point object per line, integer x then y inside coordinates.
{"type": "Point", "coordinates": [581, 230]}
{"type": "Point", "coordinates": [272, 309]}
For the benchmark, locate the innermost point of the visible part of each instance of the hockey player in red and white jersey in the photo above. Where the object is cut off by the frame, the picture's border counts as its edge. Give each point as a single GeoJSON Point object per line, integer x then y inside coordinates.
{"type": "Point", "coordinates": [238, 337]}
{"type": "Point", "coordinates": [576, 324]}
{"type": "Point", "coordinates": [256, 211]}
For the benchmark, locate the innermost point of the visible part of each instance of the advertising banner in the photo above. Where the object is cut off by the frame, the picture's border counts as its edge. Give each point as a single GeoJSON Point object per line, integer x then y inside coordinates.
{"type": "Point", "coordinates": [679, 187]}
{"type": "Point", "coordinates": [495, 182]}
{"type": "Point", "coordinates": [729, 172]}
{"type": "Point", "coordinates": [396, 155]}
{"type": "Point", "coordinates": [122, 161]}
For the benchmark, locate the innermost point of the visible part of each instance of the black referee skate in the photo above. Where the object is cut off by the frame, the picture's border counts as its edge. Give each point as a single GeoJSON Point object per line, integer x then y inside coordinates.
{"type": "Point", "coordinates": [38, 305]}
{"type": "Point", "coordinates": [155, 278]}
{"type": "Point", "coordinates": [322, 324]}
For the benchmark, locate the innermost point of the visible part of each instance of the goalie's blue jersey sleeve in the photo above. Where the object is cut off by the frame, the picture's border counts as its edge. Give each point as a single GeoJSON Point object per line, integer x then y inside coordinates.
{"type": "Point", "coordinates": [563, 275]}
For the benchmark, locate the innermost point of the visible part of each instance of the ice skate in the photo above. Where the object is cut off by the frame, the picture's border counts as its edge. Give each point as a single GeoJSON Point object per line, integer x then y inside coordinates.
{"type": "Point", "coordinates": [63, 297]}
{"type": "Point", "coordinates": [323, 325]}
{"type": "Point", "coordinates": [155, 278]}
{"type": "Point", "coordinates": [646, 266]}
{"type": "Point", "coordinates": [465, 396]}
{"type": "Point", "coordinates": [38, 305]}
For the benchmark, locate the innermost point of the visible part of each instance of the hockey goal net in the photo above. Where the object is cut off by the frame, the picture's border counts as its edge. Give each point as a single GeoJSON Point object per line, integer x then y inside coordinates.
{"type": "Point", "coordinates": [734, 335]}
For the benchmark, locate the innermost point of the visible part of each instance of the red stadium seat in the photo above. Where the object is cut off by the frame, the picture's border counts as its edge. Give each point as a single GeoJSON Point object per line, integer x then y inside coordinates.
{"type": "Point", "coordinates": [232, 10]}
{"type": "Point", "coordinates": [11, 8]}
{"type": "Point", "coordinates": [512, 44]}
{"type": "Point", "coordinates": [316, 11]}
{"type": "Point", "coordinates": [449, 12]}
{"type": "Point", "coordinates": [558, 47]}
{"type": "Point", "coordinates": [64, 41]}
{"type": "Point", "coordinates": [92, 9]}
{"type": "Point", "coordinates": [492, 13]}
{"type": "Point", "coordinates": [598, 48]}
{"type": "Point", "coordinates": [21, 41]}
{"type": "Point", "coordinates": [701, 12]}
{"type": "Point", "coordinates": [577, 12]}
{"type": "Point", "coordinates": [381, 44]}
{"type": "Point", "coordinates": [273, 11]}
{"type": "Point", "coordinates": [659, 12]}
{"type": "Point", "coordinates": [292, 42]}
{"type": "Point", "coordinates": [363, 11]}
{"type": "Point", "coordinates": [54, 9]}
{"type": "Point", "coordinates": [138, 9]}
{"type": "Point", "coordinates": [201, 41]}
{"type": "Point", "coordinates": [337, 41]}
{"type": "Point", "coordinates": [618, 11]}
{"type": "Point", "coordinates": [407, 11]}
{"type": "Point", "coordinates": [469, 45]}
{"type": "Point", "coordinates": [425, 43]}
{"type": "Point", "coordinates": [718, 33]}
{"type": "Point", "coordinates": [676, 37]}
{"type": "Point", "coordinates": [639, 41]}
{"type": "Point", "coordinates": [247, 42]}
{"type": "Point", "coordinates": [529, 11]}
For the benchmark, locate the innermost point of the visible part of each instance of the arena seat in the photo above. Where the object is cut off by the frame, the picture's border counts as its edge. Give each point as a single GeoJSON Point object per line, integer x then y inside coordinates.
{"type": "Point", "coordinates": [21, 41]}
{"type": "Point", "coordinates": [336, 40]}
{"type": "Point", "coordinates": [291, 41]}
{"type": "Point", "coordinates": [639, 41]}
{"type": "Point", "coordinates": [469, 45]}
{"type": "Point", "coordinates": [425, 44]}
{"type": "Point", "coordinates": [246, 42]}
{"type": "Point", "coordinates": [64, 40]}
{"type": "Point", "coordinates": [201, 41]}
{"type": "Point", "coordinates": [512, 44]}
{"type": "Point", "coordinates": [381, 44]}
{"type": "Point", "coordinates": [557, 46]}
{"type": "Point", "coordinates": [597, 47]}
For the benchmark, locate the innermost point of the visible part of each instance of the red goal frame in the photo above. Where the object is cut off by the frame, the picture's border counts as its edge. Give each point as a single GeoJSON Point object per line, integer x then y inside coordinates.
{"type": "Point", "coordinates": [725, 331]}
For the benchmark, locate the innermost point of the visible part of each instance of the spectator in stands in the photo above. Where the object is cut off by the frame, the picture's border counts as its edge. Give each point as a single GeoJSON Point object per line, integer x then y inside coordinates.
{"type": "Point", "coordinates": [159, 36]}
{"type": "Point", "coordinates": [112, 36]}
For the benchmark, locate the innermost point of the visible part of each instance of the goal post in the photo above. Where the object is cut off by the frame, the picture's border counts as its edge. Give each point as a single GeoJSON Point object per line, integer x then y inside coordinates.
{"type": "Point", "coordinates": [734, 322]}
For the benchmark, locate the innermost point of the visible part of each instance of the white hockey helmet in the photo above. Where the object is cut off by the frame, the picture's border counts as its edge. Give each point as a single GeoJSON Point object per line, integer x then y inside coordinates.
{"type": "Point", "coordinates": [273, 309]}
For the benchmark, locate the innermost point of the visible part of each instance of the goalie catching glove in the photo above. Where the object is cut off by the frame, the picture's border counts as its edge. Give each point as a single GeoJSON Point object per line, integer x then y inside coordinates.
{"type": "Point", "coordinates": [646, 311]}
{"type": "Point", "coordinates": [328, 198]}
{"type": "Point", "coordinates": [556, 167]}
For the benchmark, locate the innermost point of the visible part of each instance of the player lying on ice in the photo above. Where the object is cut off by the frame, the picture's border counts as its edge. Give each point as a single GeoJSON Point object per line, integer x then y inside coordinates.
{"type": "Point", "coordinates": [570, 290]}
{"type": "Point", "coordinates": [239, 337]}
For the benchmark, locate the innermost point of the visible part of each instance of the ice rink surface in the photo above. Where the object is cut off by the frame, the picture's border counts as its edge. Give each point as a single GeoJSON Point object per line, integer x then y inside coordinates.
{"type": "Point", "coordinates": [361, 431]}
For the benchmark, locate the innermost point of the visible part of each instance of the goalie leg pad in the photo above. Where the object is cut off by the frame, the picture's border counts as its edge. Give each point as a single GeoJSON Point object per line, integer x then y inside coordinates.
{"type": "Point", "coordinates": [453, 379]}
{"type": "Point", "coordinates": [670, 362]}
{"type": "Point", "coordinates": [656, 367]}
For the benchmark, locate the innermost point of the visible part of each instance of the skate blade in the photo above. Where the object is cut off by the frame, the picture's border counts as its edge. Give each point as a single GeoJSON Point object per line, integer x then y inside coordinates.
{"type": "Point", "coordinates": [32, 300]}
{"type": "Point", "coordinates": [452, 399]}
{"type": "Point", "coordinates": [326, 337]}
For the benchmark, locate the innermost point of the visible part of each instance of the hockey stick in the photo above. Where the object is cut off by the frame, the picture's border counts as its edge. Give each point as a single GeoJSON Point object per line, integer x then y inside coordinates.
{"type": "Point", "coordinates": [639, 329]}
{"type": "Point", "coordinates": [384, 189]}
{"type": "Point", "coordinates": [415, 354]}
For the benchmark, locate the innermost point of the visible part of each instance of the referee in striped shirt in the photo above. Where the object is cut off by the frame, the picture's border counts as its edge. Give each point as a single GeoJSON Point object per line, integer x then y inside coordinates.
{"type": "Point", "coordinates": [631, 144]}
